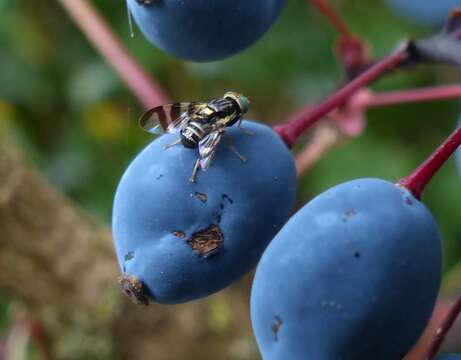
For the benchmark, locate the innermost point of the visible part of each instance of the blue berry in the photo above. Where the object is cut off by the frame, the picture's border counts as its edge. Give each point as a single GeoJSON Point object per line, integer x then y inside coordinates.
{"type": "Point", "coordinates": [204, 30]}
{"type": "Point", "coordinates": [176, 240]}
{"type": "Point", "coordinates": [353, 275]}
{"type": "Point", "coordinates": [424, 12]}
{"type": "Point", "coordinates": [449, 357]}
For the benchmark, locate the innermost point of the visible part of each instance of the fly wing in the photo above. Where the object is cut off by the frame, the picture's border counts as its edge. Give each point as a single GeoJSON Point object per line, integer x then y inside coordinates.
{"type": "Point", "coordinates": [167, 118]}
{"type": "Point", "coordinates": [207, 148]}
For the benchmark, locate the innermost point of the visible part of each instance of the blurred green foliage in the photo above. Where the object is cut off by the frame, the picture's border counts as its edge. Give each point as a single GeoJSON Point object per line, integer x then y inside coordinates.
{"type": "Point", "coordinates": [76, 120]}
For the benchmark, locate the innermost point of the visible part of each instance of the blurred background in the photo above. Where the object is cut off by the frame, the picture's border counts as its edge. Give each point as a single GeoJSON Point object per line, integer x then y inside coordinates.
{"type": "Point", "coordinates": [68, 115]}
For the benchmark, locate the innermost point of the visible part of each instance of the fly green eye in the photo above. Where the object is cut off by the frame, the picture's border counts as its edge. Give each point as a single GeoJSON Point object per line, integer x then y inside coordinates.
{"type": "Point", "coordinates": [244, 103]}
{"type": "Point", "coordinates": [240, 99]}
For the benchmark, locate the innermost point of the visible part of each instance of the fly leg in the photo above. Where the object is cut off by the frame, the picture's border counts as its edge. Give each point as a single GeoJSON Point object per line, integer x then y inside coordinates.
{"type": "Point", "coordinates": [235, 151]}
{"type": "Point", "coordinates": [232, 148]}
{"type": "Point", "coordinates": [246, 132]}
{"type": "Point", "coordinates": [195, 170]}
{"type": "Point", "coordinates": [172, 144]}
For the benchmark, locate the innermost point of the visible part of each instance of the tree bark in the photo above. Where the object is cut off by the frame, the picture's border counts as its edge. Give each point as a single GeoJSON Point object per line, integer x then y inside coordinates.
{"type": "Point", "coordinates": [63, 267]}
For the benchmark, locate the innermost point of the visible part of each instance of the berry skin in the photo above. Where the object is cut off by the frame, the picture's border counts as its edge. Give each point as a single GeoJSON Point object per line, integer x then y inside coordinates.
{"type": "Point", "coordinates": [353, 275]}
{"type": "Point", "coordinates": [204, 30]}
{"type": "Point", "coordinates": [178, 241]}
{"type": "Point", "coordinates": [424, 12]}
{"type": "Point", "coordinates": [449, 357]}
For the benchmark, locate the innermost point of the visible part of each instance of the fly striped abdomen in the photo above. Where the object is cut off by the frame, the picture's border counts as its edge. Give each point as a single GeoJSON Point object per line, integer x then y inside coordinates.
{"type": "Point", "coordinates": [192, 134]}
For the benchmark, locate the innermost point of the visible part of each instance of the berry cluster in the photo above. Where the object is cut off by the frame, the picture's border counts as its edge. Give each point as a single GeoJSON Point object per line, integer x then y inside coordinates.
{"type": "Point", "coordinates": [354, 274]}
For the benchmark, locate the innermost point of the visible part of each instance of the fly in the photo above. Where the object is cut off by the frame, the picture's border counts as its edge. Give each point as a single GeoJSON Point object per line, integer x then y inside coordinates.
{"type": "Point", "coordinates": [200, 124]}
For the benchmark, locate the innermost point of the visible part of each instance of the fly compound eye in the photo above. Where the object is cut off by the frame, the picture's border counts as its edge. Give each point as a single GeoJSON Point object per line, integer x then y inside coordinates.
{"type": "Point", "coordinates": [242, 101]}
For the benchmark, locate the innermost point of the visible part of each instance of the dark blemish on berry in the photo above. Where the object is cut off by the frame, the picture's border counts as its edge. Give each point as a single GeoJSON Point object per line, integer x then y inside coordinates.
{"type": "Point", "coordinates": [145, 2]}
{"type": "Point", "coordinates": [201, 197]}
{"type": "Point", "coordinates": [224, 199]}
{"type": "Point", "coordinates": [207, 241]}
{"type": "Point", "coordinates": [179, 234]}
{"type": "Point", "coordinates": [276, 327]}
{"type": "Point", "coordinates": [349, 214]}
{"type": "Point", "coordinates": [129, 256]}
{"type": "Point", "coordinates": [408, 201]}
{"type": "Point", "coordinates": [228, 198]}
{"type": "Point", "coordinates": [356, 254]}
{"type": "Point", "coordinates": [134, 289]}
{"type": "Point", "coordinates": [159, 176]}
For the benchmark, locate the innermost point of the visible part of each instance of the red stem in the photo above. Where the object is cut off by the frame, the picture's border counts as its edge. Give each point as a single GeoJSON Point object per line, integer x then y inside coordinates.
{"type": "Point", "coordinates": [414, 95]}
{"type": "Point", "coordinates": [303, 120]}
{"type": "Point", "coordinates": [148, 92]}
{"type": "Point", "coordinates": [442, 330]}
{"type": "Point", "coordinates": [418, 180]}
{"type": "Point", "coordinates": [333, 17]}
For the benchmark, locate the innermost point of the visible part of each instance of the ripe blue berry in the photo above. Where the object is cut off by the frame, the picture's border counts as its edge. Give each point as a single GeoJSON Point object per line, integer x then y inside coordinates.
{"type": "Point", "coordinates": [424, 12]}
{"type": "Point", "coordinates": [449, 357]}
{"type": "Point", "coordinates": [353, 275]}
{"type": "Point", "coordinates": [204, 30]}
{"type": "Point", "coordinates": [176, 240]}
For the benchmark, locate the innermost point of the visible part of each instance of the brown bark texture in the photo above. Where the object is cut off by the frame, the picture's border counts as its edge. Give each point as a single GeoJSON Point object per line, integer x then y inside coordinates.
{"type": "Point", "coordinates": [62, 266]}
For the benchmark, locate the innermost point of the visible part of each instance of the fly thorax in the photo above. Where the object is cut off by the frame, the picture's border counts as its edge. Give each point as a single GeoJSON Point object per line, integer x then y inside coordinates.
{"type": "Point", "coordinates": [227, 112]}
{"type": "Point", "coordinates": [192, 134]}
{"type": "Point", "coordinates": [223, 107]}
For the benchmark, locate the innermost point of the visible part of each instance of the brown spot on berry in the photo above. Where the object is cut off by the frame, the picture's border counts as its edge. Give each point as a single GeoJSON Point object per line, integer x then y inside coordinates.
{"type": "Point", "coordinates": [350, 213]}
{"type": "Point", "coordinates": [276, 327]}
{"type": "Point", "coordinates": [179, 234]}
{"type": "Point", "coordinates": [134, 289]}
{"type": "Point", "coordinates": [129, 256]}
{"type": "Point", "coordinates": [206, 241]}
{"type": "Point", "coordinates": [201, 196]}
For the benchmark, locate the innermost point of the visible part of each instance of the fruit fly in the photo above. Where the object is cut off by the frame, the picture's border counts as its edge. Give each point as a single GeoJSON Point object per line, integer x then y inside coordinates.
{"type": "Point", "coordinates": [200, 124]}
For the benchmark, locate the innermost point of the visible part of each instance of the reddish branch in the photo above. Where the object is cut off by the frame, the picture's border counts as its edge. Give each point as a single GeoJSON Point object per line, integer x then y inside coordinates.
{"type": "Point", "coordinates": [418, 180]}
{"type": "Point", "coordinates": [324, 139]}
{"type": "Point", "coordinates": [442, 330]}
{"type": "Point", "coordinates": [408, 96]}
{"type": "Point", "coordinates": [309, 116]}
{"type": "Point", "coordinates": [352, 113]}
{"type": "Point", "coordinates": [148, 91]}
{"type": "Point", "coordinates": [333, 17]}
{"type": "Point", "coordinates": [352, 51]}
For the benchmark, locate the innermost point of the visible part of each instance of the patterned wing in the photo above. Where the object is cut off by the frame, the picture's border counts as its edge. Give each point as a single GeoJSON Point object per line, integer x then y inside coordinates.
{"type": "Point", "coordinates": [167, 118]}
{"type": "Point", "coordinates": [207, 148]}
